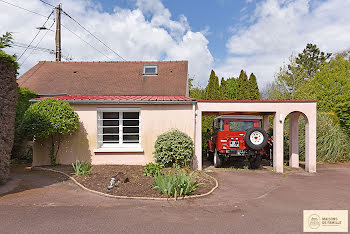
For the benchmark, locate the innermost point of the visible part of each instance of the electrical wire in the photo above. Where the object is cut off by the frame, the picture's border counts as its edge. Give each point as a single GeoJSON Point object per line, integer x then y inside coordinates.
{"type": "Point", "coordinates": [24, 8]}
{"type": "Point", "coordinates": [92, 34]}
{"type": "Point", "coordinates": [37, 44]}
{"type": "Point", "coordinates": [86, 42]}
{"type": "Point", "coordinates": [33, 48]}
{"type": "Point", "coordinates": [35, 36]}
{"type": "Point", "coordinates": [47, 3]}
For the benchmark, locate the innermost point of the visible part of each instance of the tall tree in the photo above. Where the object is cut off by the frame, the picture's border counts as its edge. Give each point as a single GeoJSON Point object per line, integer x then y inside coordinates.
{"type": "Point", "coordinates": [243, 86]}
{"type": "Point", "coordinates": [253, 88]}
{"type": "Point", "coordinates": [291, 78]}
{"type": "Point", "coordinates": [212, 90]}
{"type": "Point", "coordinates": [224, 94]}
{"type": "Point", "coordinates": [311, 59]}
{"type": "Point", "coordinates": [331, 85]}
{"type": "Point", "coordinates": [232, 86]}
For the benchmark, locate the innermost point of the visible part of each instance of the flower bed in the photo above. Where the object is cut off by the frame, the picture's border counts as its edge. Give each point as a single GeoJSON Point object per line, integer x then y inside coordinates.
{"type": "Point", "coordinates": [130, 180]}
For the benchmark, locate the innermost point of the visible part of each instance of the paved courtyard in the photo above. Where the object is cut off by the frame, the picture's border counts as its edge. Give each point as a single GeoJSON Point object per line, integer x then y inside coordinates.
{"type": "Point", "coordinates": [246, 201]}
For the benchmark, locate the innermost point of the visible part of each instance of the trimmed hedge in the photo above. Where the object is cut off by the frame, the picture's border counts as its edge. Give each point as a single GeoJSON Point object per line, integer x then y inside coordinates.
{"type": "Point", "coordinates": [174, 149]}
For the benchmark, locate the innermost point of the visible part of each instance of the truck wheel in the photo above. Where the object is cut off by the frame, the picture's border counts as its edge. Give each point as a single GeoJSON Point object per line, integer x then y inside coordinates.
{"type": "Point", "coordinates": [210, 156]}
{"type": "Point", "coordinates": [255, 161]}
{"type": "Point", "coordinates": [256, 138]}
{"type": "Point", "coordinates": [217, 159]}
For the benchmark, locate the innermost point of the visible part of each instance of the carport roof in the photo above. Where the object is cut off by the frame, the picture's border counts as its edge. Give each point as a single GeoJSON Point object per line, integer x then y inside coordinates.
{"type": "Point", "coordinates": [258, 101]}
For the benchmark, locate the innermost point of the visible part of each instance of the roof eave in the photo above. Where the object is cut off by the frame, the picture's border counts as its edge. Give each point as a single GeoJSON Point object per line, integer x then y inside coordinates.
{"type": "Point", "coordinates": [122, 102]}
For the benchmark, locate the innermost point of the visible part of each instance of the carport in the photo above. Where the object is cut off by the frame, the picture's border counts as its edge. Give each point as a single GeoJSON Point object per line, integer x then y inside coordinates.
{"type": "Point", "coordinates": [279, 110]}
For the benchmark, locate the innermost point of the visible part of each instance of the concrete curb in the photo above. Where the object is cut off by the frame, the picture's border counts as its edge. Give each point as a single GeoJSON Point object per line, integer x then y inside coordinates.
{"type": "Point", "coordinates": [126, 197]}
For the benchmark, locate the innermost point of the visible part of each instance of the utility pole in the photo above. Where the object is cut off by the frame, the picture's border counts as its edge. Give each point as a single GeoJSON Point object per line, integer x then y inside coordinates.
{"type": "Point", "coordinates": [58, 33]}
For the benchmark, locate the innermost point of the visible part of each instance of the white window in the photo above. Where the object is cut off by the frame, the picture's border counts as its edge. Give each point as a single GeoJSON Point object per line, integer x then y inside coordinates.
{"type": "Point", "coordinates": [150, 69]}
{"type": "Point", "coordinates": [118, 128]}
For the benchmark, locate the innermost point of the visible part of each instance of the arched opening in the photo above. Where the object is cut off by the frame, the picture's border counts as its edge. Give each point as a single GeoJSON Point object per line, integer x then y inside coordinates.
{"type": "Point", "coordinates": [295, 141]}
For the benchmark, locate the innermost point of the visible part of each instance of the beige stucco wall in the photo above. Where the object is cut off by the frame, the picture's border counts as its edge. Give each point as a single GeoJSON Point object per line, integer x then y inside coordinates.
{"type": "Point", "coordinates": [155, 120]}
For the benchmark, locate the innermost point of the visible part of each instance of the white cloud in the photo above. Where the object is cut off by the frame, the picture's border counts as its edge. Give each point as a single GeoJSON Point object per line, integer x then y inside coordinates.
{"type": "Point", "coordinates": [145, 33]}
{"type": "Point", "coordinates": [281, 28]}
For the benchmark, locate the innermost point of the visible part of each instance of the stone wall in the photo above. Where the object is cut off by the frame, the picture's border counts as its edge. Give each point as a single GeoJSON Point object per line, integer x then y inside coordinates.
{"type": "Point", "coordinates": [8, 99]}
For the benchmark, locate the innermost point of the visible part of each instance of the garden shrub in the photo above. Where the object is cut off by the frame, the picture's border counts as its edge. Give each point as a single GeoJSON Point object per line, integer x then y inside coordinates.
{"type": "Point", "coordinates": [81, 168]}
{"type": "Point", "coordinates": [23, 97]}
{"type": "Point", "coordinates": [176, 183]}
{"type": "Point", "coordinates": [174, 149]}
{"type": "Point", "coordinates": [153, 169]}
{"type": "Point", "coordinates": [343, 113]}
{"type": "Point", "coordinates": [52, 119]}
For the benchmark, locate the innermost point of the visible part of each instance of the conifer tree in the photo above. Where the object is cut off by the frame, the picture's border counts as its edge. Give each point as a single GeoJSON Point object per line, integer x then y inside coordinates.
{"type": "Point", "coordinates": [224, 94]}
{"type": "Point", "coordinates": [253, 88]}
{"type": "Point", "coordinates": [212, 90]}
{"type": "Point", "coordinates": [243, 86]}
{"type": "Point", "coordinates": [232, 86]}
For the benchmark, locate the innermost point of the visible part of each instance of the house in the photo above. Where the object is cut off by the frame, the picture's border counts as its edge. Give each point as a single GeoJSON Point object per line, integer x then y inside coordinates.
{"type": "Point", "coordinates": [122, 106]}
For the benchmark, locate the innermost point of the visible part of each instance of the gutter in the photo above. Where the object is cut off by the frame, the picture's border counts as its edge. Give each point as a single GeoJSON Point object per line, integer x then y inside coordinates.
{"type": "Point", "coordinates": [121, 102]}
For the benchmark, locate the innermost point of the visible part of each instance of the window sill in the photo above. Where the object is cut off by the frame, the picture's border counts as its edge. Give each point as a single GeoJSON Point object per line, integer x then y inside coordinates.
{"type": "Point", "coordinates": [118, 150]}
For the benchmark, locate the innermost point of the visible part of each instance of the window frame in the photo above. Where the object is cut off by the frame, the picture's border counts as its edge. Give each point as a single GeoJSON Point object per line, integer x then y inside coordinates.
{"type": "Point", "coordinates": [120, 144]}
{"type": "Point", "coordinates": [150, 66]}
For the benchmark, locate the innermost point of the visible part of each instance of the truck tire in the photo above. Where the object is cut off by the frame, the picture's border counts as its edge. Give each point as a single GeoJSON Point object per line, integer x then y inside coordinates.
{"type": "Point", "coordinates": [255, 138]}
{"type": "Point", "coordinates": [255, 161]}
{"type": "Point", "coordinates": [210, 156]}
{"type": "Point", "coordinates": [217, 159]}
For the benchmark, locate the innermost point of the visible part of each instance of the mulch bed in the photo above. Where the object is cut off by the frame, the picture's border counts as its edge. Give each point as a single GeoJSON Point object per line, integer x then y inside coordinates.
{"type": "Point", "coordinates": [130, 180]}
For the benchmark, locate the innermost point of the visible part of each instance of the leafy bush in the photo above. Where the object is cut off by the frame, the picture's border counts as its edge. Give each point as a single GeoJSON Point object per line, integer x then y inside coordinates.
{"type": "Point", "coordinates": [81, 168]}
{"type": "Point", "coordinates": [343, 113]}
{"type": "Point", "coordinates": [174, 148]}
{"type": "Point", "coordinates": [152, 169]}
{"type": "Point", "coordinates": [52, 119]}
{"type": "Point", "coordinates": [24, 95]}
{"type": "Point", "coordinates": [175, 183]}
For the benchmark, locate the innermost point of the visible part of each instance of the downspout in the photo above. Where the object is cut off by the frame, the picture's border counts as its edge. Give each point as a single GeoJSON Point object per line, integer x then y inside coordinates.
{"type": "Point", "coordinates": [194, 127]}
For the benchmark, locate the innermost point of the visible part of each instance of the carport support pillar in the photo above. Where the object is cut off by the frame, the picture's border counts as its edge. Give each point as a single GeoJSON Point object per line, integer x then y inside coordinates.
{"type": "Point", "coordinates": [265, 122]}
{"type": "Point", "coordinates": [278, 120]}
{"type": "Point", "coordinates": [197, 162]}
{"type": "Point", "coordinates": [310, 142]}
{"type": "Point", "coordinates": [294, 140]}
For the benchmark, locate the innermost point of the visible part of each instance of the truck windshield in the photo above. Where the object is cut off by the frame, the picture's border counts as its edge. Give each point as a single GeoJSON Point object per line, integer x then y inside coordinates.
{"type": "Point", "coordinates": [240, 126]}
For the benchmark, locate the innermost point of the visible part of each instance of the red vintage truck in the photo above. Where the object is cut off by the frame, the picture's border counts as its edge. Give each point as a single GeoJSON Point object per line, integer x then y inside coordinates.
{"type": "Point", "coordinates": [239, 136]}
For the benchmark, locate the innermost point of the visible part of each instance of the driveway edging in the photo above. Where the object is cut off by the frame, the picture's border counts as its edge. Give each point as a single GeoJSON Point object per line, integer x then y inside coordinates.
{"type": "Point", "coordinates": [127, 197]}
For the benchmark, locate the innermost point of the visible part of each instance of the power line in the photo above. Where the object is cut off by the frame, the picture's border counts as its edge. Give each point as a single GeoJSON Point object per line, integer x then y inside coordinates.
{"type": "Point", "coordinates": [23, 8]}
{"type": "Point", "coordinates": [92, 35]}
{"type": "Point", "coordinates": [47, 3]}
{"type": "Point", "coordinates": [33, 48]}
{"type": "Point", "coordinates": [86, 41]}
{"type": "Point", "coordinates": [34, 36]}
{"type": "Point", "coordinates": [38, 43]}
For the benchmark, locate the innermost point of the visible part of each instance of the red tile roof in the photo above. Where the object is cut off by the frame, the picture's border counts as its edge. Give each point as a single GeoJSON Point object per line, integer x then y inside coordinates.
{"type": "Point", "coordinates": [106, 78]}
{"type": "Point", "coordinates": [129, 99]}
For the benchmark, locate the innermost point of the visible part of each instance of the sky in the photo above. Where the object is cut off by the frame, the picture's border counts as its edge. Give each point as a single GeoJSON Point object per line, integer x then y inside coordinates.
{"type": "Point", "coordinates": [258, 36]}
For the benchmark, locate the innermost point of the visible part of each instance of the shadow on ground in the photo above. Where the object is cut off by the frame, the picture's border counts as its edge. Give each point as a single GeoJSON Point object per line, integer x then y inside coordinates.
{"type": "Point", "coordinates": [22, 178]}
